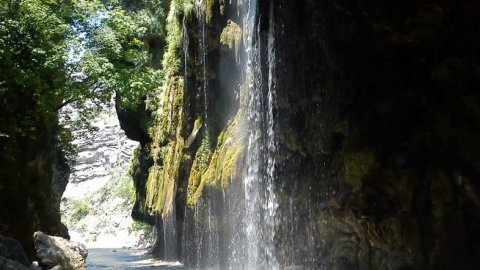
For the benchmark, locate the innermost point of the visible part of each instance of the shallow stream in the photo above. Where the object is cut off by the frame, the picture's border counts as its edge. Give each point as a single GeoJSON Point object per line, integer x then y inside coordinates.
{"type": "Point", "coordinates": [109, 259]}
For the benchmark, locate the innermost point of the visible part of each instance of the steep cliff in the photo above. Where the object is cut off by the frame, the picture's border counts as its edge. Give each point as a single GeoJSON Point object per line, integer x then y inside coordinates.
{"type": "Point", "coordinates": [316, 134]}
{"type": "Point", "coordinates": [33, 171]}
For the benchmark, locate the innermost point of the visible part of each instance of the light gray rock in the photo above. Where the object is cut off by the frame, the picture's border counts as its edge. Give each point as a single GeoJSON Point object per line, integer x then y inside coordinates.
{"type": "Point", "coordinates": [58, 253]}
{"type": "Point", "coordinates": [35, 266]}
{"type": "Point", "coordinates": [100, 182]}
{"type": "Point", "coordinates": [100, 150]}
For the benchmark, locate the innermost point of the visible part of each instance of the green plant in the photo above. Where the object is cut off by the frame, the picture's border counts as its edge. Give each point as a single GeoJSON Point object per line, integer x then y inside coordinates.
{"type": "Point", "coordinates": [145, 229]}
{"type": "Point", "coordinates": [79, 209]}
{"type": "Point", "coordinates": [124, 189]}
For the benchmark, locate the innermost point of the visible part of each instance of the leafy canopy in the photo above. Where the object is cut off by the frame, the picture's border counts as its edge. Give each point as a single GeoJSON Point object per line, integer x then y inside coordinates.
{"type": "Point", "coordinates": [76, 52]}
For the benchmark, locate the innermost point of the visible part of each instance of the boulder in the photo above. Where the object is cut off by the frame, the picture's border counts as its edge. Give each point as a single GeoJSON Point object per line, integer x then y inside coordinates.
{"type": "Point", "coordinates": [12, 255]}
{"type": "Point", "coordinates": [58, 253]}
{"type": "Point", "coordinates": [9, 264]}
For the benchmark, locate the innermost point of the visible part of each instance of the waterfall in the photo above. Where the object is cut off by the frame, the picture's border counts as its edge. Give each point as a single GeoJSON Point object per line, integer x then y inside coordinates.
{"type": "Point", "coordinates": [185, 44]}
{"type": "Point", "coordinates": [212, 249]}
{"type": "Point", "coordinates": [202, 17]}
{"type": "Point", "coordinates": [271, 200]}
{"type": "Point", "coordinates": [260, 199]}
{"type": "Point", "coordinates": [235, 228]}
{"type": "Point", "coordinates": [199, 245]}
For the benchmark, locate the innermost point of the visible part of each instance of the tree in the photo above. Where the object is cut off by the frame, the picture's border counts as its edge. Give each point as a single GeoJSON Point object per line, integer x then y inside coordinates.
{"type": "Point", "coordinates": [77, 52]}
{"type": "Point", "coordinates": [54, 53]}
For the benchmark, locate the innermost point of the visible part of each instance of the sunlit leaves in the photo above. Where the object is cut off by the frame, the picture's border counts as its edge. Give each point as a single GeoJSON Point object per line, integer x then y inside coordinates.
{"type": "Point", "coordinates": [78, 52]}
{"type": "Point", "coordinates": [116, 54]}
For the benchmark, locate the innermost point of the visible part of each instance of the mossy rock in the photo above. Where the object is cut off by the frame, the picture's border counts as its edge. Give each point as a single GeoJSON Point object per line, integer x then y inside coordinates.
{"type": "Point", "coordinates": [214, 168]}
{"type": "Point", "coordinates": [357, 165]}
{"type": "Point", "coordinates": [232, 37]}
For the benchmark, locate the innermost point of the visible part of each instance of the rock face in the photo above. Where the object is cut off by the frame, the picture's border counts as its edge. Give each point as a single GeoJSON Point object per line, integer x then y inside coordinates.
{"type": "Point", "coordinates": [59, 253]}
{"type": "Point", "coordinates": [30, 150]}
{"type": "Point", "coordinates": [361, 135]}
{"type": "Point", "coordinates": [12, 255]}
{"type": "Point", "coordinates": [135, 123]}
{"type": "Point", "coordinates": [98, 200]}
{"type": "Point", "coordinates": [100, 151]}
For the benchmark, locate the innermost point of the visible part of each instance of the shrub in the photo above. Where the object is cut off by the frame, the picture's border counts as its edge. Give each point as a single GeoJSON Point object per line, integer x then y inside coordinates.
{"type": "Point", "coordinates": [78, 208]}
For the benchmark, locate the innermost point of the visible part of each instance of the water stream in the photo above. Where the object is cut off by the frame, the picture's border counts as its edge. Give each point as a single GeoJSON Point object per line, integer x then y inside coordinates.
{"type": "Point", "coordinates": [114, 259]}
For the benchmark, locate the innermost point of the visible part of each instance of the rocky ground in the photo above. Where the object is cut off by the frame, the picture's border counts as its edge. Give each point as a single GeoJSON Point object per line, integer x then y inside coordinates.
{"type": "Point", "coordinates": [97, 202]}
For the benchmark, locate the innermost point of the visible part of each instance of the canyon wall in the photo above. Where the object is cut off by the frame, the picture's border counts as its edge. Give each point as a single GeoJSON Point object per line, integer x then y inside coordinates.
{"type": "Point", "coordinates": [33, 171]}
{"type": "Point", "coordinates": [316, 134]}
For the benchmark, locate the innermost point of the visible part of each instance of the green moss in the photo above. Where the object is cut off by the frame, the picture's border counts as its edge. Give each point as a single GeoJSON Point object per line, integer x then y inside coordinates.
{"type": "Point", "coordinates": [199, 167]}
{"type": "Point", "coordinates": [197, 125]}
{"type": "Point", "coordinates": [215, 168]}
{"type": "Point", "coordinates": [232, 37]}
{"type": "Point", "coordinates": [209, 9]}
{"type": "Point", "coordinates": [229, 150]}
{"type": "Point", "coordinates": [210, 165]}
{"type": "Point", "coordinates": [170, 176]}
{"type": "Point", "coordinates": [357, 165]}
{"type": "Point", "coordinates": [167, 149]}
{"type": "Point", "coordinates": [179, 9]}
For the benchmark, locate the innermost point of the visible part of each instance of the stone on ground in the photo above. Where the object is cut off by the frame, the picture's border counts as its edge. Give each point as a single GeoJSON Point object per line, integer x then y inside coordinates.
{"type": "Point", "coordinates": [12, 255]}
{"type": "Point", "coordinates": [58, 253]}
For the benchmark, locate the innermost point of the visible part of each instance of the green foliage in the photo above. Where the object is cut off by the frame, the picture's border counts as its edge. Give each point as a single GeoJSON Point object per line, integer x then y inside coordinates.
{"type": "Point", "coordinates": [116, 56]}
{"type": "Point", "coordinates": [65, 138]}
{"type": "Point", "coordinates": [78, 208]}
{"type": "Point", "coordinates": [33, 51]}
{"type": "Point", "coordinates": [145, 229]}
{"type": "Point", "coordinates": [54, 53]}
{"type": "Point", "coordinates": [124, 189]}
{"type": "Point", "coordinates": [179, 9]}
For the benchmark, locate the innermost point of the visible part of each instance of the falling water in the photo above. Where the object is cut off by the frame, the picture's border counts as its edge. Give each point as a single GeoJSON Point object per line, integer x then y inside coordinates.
{"type": "Point", "coordinates": [243, 237]}
{"type": "Point", "coordinates": [270, 217]}
{"type": "Point", "coordinates": [212, 236]}
{"type": "Point", "coordinates": [260, 200]}
{"type": "Point", "coordinates": [251, 181]}
{"type": "Point", "coordinates": [186, 44]}
{"type": "Point", "coordinates": [199, 245]}
{"type": "Point", "coordinates": [201, 10]}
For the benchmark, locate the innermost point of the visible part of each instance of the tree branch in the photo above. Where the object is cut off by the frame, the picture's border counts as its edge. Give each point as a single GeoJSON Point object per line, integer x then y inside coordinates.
{"type": "Point", "coordinates": [95, 85]}
{"type": "Point", "coordinates": [65, 103]}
